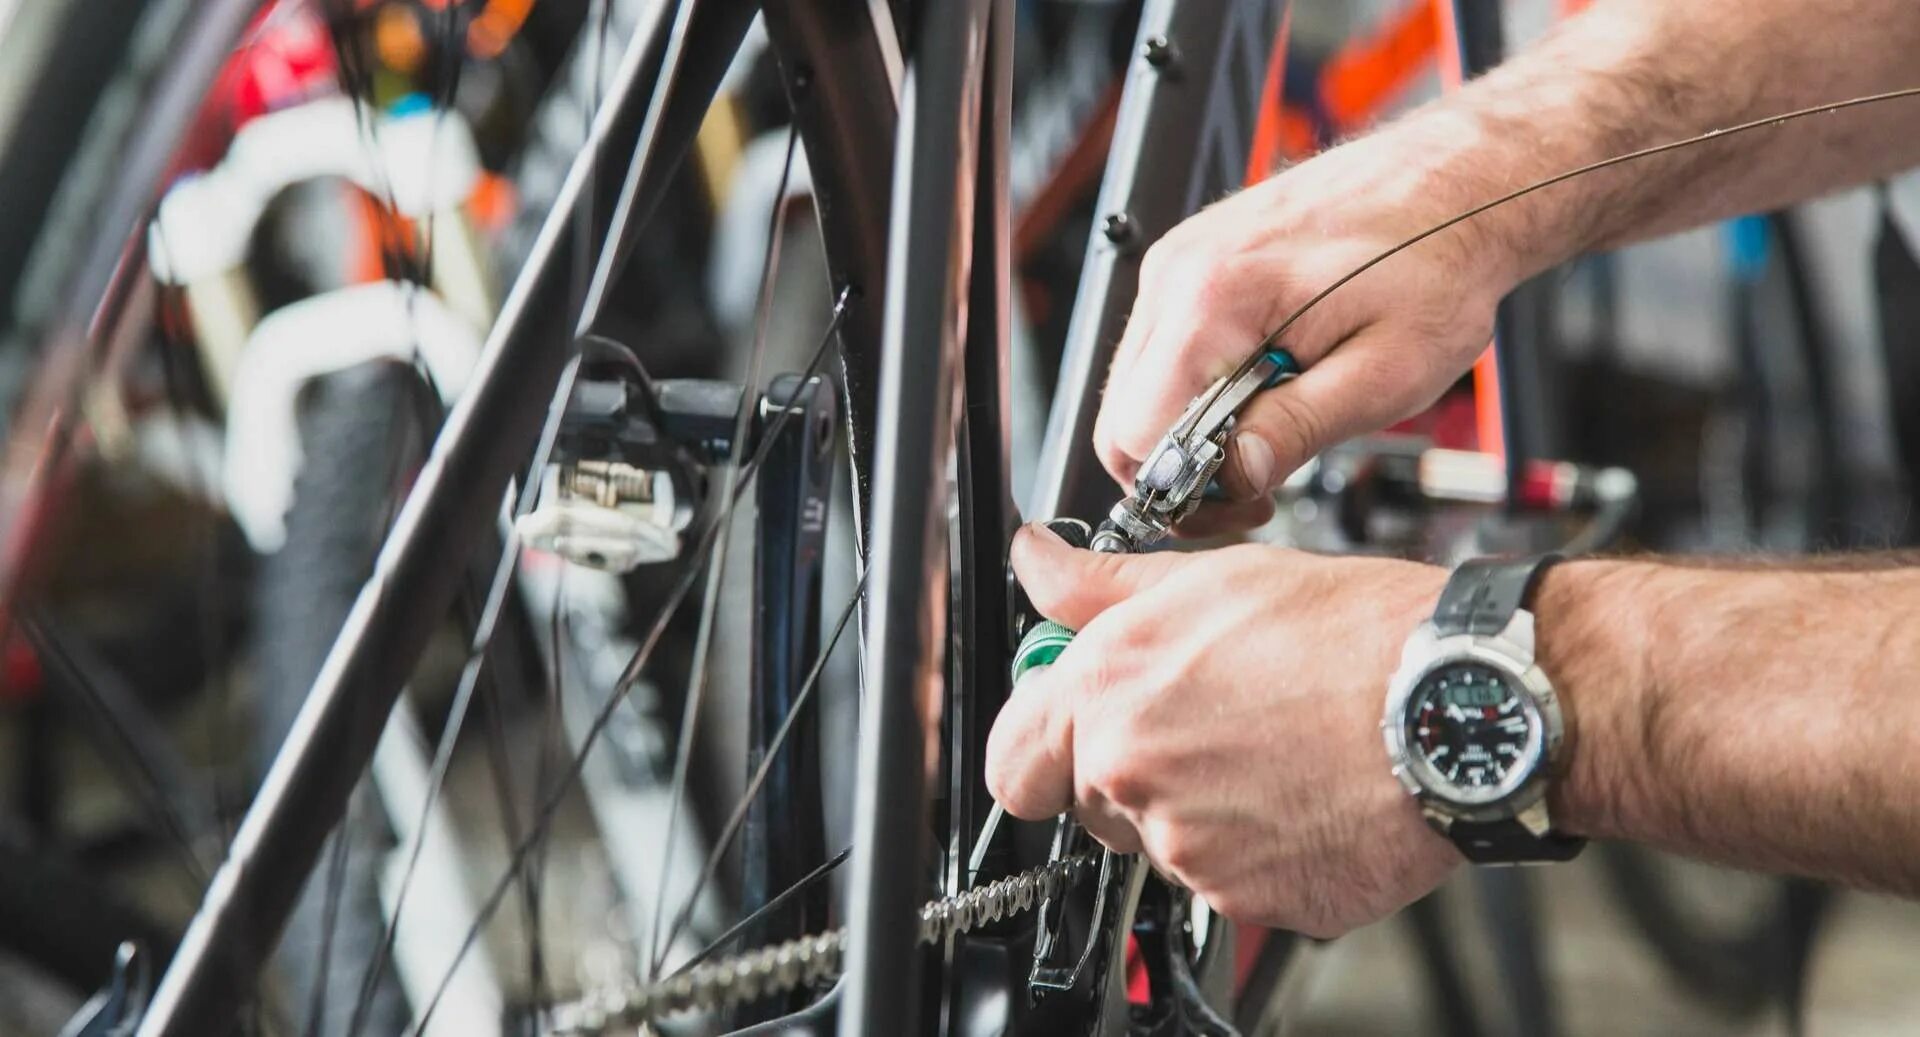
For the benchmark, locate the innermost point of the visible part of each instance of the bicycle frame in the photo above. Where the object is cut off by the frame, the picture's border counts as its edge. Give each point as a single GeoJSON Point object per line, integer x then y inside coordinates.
{"type": "Point", "coordinates": [454, 505]}
{"type": "Point", "coordinates": [1170, 103]}
{"type": "Point", "coordinates": [944, 250]}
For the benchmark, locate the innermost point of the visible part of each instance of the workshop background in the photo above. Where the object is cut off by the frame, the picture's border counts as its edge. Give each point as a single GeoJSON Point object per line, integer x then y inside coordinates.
{"type": "Point", "coordinates": [1744, 372]}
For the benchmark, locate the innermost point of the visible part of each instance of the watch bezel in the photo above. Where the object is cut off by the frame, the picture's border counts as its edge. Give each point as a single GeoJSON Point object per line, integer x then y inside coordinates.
{"type": "Point", "coordinates": [1510, 653]}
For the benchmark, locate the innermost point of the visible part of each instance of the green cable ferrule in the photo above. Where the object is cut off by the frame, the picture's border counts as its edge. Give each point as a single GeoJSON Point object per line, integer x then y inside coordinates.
{"type": "Point", "coordinates": [1285, 368]}
{"type": "Point", "coordinates": [1042, 645]}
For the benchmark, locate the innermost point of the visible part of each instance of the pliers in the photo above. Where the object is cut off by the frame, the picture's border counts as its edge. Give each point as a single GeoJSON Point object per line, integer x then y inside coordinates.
{"type": "Point", "coordinates": [1174, 478]}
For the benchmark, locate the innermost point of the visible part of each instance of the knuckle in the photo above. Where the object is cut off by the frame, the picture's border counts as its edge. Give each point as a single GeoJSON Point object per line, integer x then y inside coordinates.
{"type": "Point", "coordinates": [1174, 850]}
{"type": "Point", "coordinates": [1229, 904]}
{"type": "Point", "coordinates": [1107, 447]}
{"type": "Point", "coordinates": [1001, 786]}
{"type": "Point", "coordinates": [1157, 259]}
{"type": "Point", "coordinates": [1110, 773]}
{"type": "Point", "coordinates": [1216, 290]}
{"type": "Point", "coordinates": [1110, 569]}
{"type": "Point", "coordinates": [1008, 791]}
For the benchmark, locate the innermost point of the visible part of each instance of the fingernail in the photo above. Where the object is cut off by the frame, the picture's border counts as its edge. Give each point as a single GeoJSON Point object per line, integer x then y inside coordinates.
{"type": "Point", "coordinates": [1256, 461]}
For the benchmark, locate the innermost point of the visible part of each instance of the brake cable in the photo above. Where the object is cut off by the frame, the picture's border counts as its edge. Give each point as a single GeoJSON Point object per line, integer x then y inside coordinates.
{"type": "Point", "coordinates": [1170, 485]}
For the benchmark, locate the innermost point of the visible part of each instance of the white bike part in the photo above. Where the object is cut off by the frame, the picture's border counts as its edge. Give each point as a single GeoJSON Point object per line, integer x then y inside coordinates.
{"type": "Point", "coordinates": [385, 320]}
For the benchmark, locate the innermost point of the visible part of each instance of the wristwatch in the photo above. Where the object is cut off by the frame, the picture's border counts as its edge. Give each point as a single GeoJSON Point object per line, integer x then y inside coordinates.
{"type": "Point", "coordinates": [1472, 723]}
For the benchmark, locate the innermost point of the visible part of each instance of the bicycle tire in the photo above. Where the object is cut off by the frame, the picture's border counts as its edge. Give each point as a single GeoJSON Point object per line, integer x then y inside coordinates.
{"type": "Point", "coordinates": [1739, 970]}
{"type": "Point", "coordinates": [358, 438]}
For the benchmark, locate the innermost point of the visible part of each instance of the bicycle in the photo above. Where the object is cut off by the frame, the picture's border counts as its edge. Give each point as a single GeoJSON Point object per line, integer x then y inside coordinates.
{"type": "Point", "coordinates": [833, 161]}
{"type": "Point", "coordinates": [596, 424]}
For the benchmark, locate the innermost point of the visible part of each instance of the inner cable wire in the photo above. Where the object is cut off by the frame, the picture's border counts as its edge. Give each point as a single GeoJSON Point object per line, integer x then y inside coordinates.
{"type": "Point", "coordinates": [1273, 338]}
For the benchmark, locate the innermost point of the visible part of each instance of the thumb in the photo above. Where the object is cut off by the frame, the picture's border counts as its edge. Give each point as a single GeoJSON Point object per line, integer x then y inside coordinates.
{"type": "Point", "coordinates": [1071, 586]}
{"type": "Point", "coordinates": [1350, 392]}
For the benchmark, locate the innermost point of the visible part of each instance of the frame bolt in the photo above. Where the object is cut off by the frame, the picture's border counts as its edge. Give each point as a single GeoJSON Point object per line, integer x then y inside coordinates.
{"type": "Point", "coordinates": [1119, 228]}
{"type": "Point", "coordinates": [1157, 51]}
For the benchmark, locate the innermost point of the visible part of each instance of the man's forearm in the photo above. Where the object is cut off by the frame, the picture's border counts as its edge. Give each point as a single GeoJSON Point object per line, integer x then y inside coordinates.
{"type": "Point", "coordinates": [1629, 74]}
{"type": "Point", "coordinates": [1766, 717]}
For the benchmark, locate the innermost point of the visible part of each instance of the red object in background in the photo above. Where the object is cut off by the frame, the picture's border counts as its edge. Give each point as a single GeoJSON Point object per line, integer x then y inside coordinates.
{"type": "Point", "coordinates": [286, 56]}
{"type": "Point", "coordinates": [1138, 991]}
{"type": "Point", "coordinates": [20, 673]}
{"type": "Point", "coordinates": [1249, 940]}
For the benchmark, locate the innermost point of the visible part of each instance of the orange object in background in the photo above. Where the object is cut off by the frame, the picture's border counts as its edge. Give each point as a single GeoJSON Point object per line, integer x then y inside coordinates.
{"type": "Point", "coordinates": [1369, 74]}
{"type": "Point", "coordinates": [1278, 132]}
{"type": "Point", "coordinates": [1486, 377]}
{"type": "Point", "coordinates": [399, 40]}
{"type": "Point", "coordinates": [495, 26]}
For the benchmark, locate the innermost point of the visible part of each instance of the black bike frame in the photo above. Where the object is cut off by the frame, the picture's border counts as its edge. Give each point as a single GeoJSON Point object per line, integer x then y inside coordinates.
{"type": "Point", "coordinates": [452, 509]}
{"type": "Point", "coordinates": [1193, 89]}
{"type": "Point", "coordinates": [930, 261]}
{"type": "Point", "coordinates": [943, 253]}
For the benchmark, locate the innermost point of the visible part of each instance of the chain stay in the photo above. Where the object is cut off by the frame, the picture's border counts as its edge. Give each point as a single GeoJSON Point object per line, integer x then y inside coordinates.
{"type": "Point", "coordinates": [778, 968]}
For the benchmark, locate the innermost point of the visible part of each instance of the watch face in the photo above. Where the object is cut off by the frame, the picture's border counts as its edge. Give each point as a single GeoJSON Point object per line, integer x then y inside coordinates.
{"type": "Point", "coordinates": [1473, 729]}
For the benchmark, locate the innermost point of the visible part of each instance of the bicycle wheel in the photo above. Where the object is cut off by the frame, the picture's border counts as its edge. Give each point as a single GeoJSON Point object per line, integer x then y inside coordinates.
{"type": "Point", "coordinates": [853, 230]}
{"type": "Point", "coordinates": [567, 390]}
{"type": "Point", "coordinates": [359, 446]}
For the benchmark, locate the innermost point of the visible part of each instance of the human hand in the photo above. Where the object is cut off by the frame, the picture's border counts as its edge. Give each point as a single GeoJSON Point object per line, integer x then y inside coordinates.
{"type": "Point", "coordinates": [1377, 350]}
{"type": "Point", "coordinates": [1219, 711]}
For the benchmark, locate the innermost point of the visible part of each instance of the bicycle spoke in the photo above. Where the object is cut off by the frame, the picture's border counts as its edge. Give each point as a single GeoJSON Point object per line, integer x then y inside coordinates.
{"type": "Point", "coordinates": [213, 643]}
{"type": "Point", "coordinates": [143, 764]}
{"type": "Point", "coordinates": [610, 256]}
{"type": "Point", "coordinates": [336, 876]}
{"type": "Point", "coordinates": [631, 673]}
{"type": "Point", "coordinates": [775, 903]}
{"type": "Point", "coordinates": [739, 815]}
{"type": "Point", "coordinates": [463, 696]}
{"type": "Point", "coordinates": [717, 566]}
{"type": "Point", "coordinates": [550, 735]}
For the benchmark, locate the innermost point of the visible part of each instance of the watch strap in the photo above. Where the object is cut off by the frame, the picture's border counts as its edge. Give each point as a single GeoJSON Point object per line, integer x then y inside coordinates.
{"type": "Point", "coordinates": [1481, 598]}
{"type": "Point", "coordinates": [1510, 842]}
{"type": "Point", "coordinates": [1484, 593]}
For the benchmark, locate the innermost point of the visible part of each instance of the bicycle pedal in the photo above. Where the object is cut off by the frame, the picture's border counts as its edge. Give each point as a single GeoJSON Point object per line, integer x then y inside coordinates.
{"type": "Point", "coordinates": [605, 515]}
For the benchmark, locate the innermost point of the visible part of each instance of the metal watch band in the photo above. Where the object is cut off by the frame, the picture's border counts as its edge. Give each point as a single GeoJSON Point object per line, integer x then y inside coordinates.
{"type": "Point", "coordinates": [1481, 598]}
{"type": "Point", "coordinates": [1484, 594]}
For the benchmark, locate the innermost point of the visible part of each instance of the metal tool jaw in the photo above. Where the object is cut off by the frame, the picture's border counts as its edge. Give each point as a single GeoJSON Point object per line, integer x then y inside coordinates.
{"type": "Point", "coordinates": [1174, 478]}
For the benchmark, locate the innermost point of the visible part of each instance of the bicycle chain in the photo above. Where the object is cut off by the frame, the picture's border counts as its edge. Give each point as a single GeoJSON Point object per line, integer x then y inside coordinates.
{"type": "Point", "coordinates": [736, 979]}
